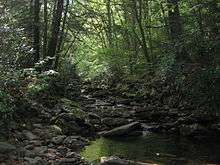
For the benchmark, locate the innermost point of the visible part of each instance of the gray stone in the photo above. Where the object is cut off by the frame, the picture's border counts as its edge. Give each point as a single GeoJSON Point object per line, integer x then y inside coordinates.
{"type": "Point", "coordinates": [114, 122]}
{"type": "Point", "coordinates": [118, 161]}
{"type": "Point", "coordinates": [29, 135]}
{"type": "Point", "coordinates": [66, 161]}
{"type": "Point", "coordinates": [192, 130]}
{"type": "Point", "coordinates": [6, 148]}
{"type": "Point", "coordinates": [37, 125]}
{"type": "Point", "coordinates": [58, 139]}
{"type": "Point", "coordinates": [74, 143]}
{"type": "Point", "coordinates": [123, 130]}
{"type": "Point", "coordinates": [40, 150]}
{"type": "Point", "coordinates": [35, 161]}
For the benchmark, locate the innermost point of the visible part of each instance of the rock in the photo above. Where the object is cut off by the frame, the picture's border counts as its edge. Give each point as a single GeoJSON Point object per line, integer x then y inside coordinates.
{"type": "Point", "coordinates": [35, 142]}
{"type": "Point", "coordinates": [58, 139]}
{"type": "Point", "coordinates": [38, 126]}
{"type": "Point", "coordinates": [29, 135]}
{"type": "Point", "coordinates": [192, 130]}
{"type": "Point", "coordinates": [72, 125]}
{"type": "Point", "coordinates": [74, 142]}
{"type": "Point", "coordinates": [45, 116]}
{"type": "Point", "coordinates": [118, 161]}
{"type": "Point", "coordinates": [6, 148]}
{"type": "Point", "coordinates": [66, 161]}
{"type": "Point", "coordinates": [123, 130]}
{"type": "Point", "coordinates": [29, 147]}
{"type": "Point", "coordinates": [63, 150]}
{"type": "Point", "coordinates": [40, 150]}
{"type": "Point", "coordinates": [216, 127]}
{"type": "Point", "coordinates": [94, 116]}
{"type": "Point", "coordinates": [30, 154]}
{"type": "Point", "coordinates": [151, 128]}
{"type": "Point", "coordinates": [114, 122]}
{"type": "Point", "coordinates": [35, 161]}
{"type": "Point", "coordinates": [23, 152]}
{"type": "Point", "coordinates": [72, 155]}
{"type": "Point", "coordinates": [100, 93]}
{"type": "Point", "coordinates": [124, 101]}
{"type": "Point", "coordinates": [54, 129]}
{"type": "Point", "coordinates": [67, 122]}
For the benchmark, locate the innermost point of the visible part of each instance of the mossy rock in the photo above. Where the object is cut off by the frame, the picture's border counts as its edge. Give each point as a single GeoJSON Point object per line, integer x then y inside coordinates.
{"type": "Point", "coordinates": [73, 107]}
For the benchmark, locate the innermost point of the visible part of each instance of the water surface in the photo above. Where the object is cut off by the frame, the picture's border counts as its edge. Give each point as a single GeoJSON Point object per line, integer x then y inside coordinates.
{"type": "Point", "coordinates": [157, 149]}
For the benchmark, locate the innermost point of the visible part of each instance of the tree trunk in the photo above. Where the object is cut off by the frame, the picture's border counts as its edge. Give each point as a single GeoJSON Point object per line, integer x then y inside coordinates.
{"type": "Point", "coordinates": [55, 29]}
{"type": "Point", "coordinates": [36, 30]}
{"type": "Point", "coordinates": [45, 29]}
{"type": "Point", "coordinates": [138, 15]}
{"type": "Point", "coordinates": [60, 43]}
{"type": "Point", "coordinates": [109, 23]}
{"type": "Point", "coordinates": [176, 30]}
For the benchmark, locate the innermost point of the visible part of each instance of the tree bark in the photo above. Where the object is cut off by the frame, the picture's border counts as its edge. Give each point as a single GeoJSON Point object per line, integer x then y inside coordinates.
{"type": "Point", "coordinates": [109, 23]}
{"type": "Point", "coordinates": [176, 30]}
{"type": "Point", "coordinates": [36, 30]}
{"type": "Point", "coordinates": [45, 29]}
{"type": "Point", "coordinates": [60, 42]}
{"type": "Point", "coordinates": [138, 15]}
{"type": "Point", "coordinates": [55, 29]}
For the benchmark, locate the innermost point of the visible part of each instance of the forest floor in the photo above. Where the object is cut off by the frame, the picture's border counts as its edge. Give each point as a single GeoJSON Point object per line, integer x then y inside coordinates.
{"type": "Point", "coordinates": [56, 136]}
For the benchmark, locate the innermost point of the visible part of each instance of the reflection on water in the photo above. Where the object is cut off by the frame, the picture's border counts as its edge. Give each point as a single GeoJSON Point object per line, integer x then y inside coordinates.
{"type": "Point", "coordinates": [159, 149]}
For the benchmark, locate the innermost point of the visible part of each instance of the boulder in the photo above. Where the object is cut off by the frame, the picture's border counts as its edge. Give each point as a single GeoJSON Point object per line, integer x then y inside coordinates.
{"type": "Point", "coordinates": [118, 161]}
{"type": "Point", "coordinates": [35, 161]}
{"type": "Point", "coordinates": [75, 142]}
{"type": "Point", "coordinates": [192, 130]}
{"type": "Point", "coordinates": [72, 124]}
{"type": "Point", "coordinates": [124, 130]}
{"type": "Point", "coordinates": [114, 122]}
{"type": "Point", "coordinates": [58, 139]}
{"type": "Point", "coordinates": [29, 135]}
{"type": "Point", "coordinates": [6, 148]}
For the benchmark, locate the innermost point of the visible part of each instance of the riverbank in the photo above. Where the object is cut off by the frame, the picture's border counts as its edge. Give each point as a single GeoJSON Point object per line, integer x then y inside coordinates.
{"type": "Point", "coordinates": [45, 135]}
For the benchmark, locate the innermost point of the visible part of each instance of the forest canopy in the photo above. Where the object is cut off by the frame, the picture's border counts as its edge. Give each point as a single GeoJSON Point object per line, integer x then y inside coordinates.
{"type": "Point", "coordinates": [111, 41]}
{"type": "Point", "coordinates": [74, 70]}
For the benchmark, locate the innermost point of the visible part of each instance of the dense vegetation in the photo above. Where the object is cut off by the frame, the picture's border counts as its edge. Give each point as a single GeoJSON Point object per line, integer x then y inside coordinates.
{"type": "Point", "coordinates": [111, 41]}
{"type": "Point", "coordinates": [164, 55]}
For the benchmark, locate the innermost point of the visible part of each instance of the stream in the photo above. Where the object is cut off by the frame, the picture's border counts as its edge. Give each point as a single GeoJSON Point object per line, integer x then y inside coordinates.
{"type": "Point", "coordinates": [156, 149]}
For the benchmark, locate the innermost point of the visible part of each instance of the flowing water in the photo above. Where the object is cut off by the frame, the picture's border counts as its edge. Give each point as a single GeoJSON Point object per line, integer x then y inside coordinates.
{"type": "Point", "coordinates": [157, 149]}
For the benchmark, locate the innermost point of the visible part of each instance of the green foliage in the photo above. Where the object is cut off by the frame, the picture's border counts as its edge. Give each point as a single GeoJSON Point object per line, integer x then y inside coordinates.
{"type": "Point", "coordinates": [37, 87]}
{"type": "Point", "coordinates": [206, 89]}
{"type": "Point", "coordinates": [5, 102]}
{"type": "Point", "coordinates": [42, 84]}
{"type": "Point", "coordinates": [73, 107]}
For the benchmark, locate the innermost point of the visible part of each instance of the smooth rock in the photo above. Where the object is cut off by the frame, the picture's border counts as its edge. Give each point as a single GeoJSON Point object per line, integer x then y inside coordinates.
{"type": "Point", "coordinates": [66, 161]}
{"type": "Point", "coordinates": [118, 161]}
{"type": "Point", "coordinates": [123, 130]}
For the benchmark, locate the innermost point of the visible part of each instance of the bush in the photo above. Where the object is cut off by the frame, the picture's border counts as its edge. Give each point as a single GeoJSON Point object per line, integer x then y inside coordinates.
{"type": "Point", "coordinates": [5, 102]}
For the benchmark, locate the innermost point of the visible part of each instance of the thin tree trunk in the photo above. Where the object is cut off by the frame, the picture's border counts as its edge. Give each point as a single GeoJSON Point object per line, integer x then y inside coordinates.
{"type": "Point", "coordinates": [176, 30]}
{"type": "Point", "coordinates": [109, 23]}
{"type": "Point", "coordinates": [60, 42]}
{"type": "Point", "coordinates": [36, 30]}
{"type": "Point", "coordinates": [138, 14]}
{"type": "Point", "coordinates": [45, 29]}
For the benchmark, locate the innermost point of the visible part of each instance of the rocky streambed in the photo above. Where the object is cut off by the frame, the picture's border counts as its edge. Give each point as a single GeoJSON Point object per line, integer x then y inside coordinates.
{"type": "Point", "coordinates": [56, 136]}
